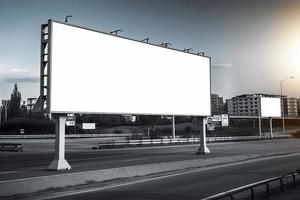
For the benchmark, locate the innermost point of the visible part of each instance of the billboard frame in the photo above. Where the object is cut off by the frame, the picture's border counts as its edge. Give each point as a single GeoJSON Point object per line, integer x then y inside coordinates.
{"type": "Point", "coordinates": [263, 108]}
{"type": "Point", "coordinates": [49, 73]}
{"type": "Point", "coordinates": [59, 162]}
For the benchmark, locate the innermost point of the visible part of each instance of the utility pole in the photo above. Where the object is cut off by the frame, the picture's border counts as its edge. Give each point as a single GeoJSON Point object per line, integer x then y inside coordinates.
{"type": "Point", "coordinates": [173, 127]}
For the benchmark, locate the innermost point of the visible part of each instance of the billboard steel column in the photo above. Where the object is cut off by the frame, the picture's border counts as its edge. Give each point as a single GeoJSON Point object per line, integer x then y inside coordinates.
{"type": "Point", "coordinates": [203, 149]}
{"type": "Point", "coordinates": [259, 119]}
{"type": "Point", "coordinates": [59, 162]}
{"type": "Point", "coordinates": [259, 126]}
{"type": "Point", "coordinates": [173, 127]}
{"type": "Point", "coordinates": [271, 128]}
{"type": "Point", "coordinates": [1, 107]}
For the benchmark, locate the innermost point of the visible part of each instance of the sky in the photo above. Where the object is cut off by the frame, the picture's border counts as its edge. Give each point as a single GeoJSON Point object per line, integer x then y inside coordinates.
{"type": "Point", "coordinates": [253, 44]}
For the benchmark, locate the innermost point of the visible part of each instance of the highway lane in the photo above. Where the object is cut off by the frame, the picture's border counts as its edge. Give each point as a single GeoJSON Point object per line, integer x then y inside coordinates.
{"type": "Point", "coordinates": [194, 185]}
{"type": "Point", "coordinates": [34, 162]}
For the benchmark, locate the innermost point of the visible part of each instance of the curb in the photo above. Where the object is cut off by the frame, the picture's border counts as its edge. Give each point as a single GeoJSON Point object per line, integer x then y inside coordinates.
{"type": "Point", "coordinates": [36, 184]}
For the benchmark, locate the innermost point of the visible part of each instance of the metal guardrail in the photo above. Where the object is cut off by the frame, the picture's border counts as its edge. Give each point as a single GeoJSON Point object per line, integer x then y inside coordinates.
{"type": "Point", "coordinates": [168, 141]}
{"type": "Point", "coordinates": [128, 143]}
{"type": "Point", "coordinates": [52, 136]}
{"type": "Point", "coordinates": [112, 135]}
{"type": "Point", "coordinates": [257, 117]}
{"type": "Point", "coordinates": [251, 187]}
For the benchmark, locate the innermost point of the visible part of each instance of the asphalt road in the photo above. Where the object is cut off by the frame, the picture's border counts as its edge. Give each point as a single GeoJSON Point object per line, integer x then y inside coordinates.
{"type": "Point", "coordinates": [195, 185]}
{"type": "Point", "coordinates": [38, 154]}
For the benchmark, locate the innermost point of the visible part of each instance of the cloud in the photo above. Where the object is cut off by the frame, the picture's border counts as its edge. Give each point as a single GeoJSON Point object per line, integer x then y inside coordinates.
{"type": "Point", "coordinates": [18, 70]}
{"type": "Point", "coordinates": [13, 74]}
{"type": "Point", "coordinates": [22, 80]}
{"type": "Point", "coordinates": [222, 65]}
{"type": "Point", "coordinates": [12, 70]}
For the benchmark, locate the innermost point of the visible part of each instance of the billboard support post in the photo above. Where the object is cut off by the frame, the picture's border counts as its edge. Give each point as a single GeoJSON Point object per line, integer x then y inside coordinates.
{"type": "Point", "coordinates": [259, 121]}
{"type": "Point", "coordinates": [173, 127]}
{"type": "Point", "coordinates": [269, 107]}
{"type": "Point", "coordinates": [59, 162]}
{"type": "Point", "coordinates": [271, 128]}
{"type": "Point", "coordinates": [259, 125]}
{"type": "Point", "coordinates": [203, 149]}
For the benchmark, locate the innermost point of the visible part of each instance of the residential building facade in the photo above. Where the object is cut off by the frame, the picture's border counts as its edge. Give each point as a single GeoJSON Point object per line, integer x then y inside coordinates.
{"type": "Point", "coordinates": [217, 105]}
{"type": "Point", "coordinates": [290, 106]}
{"type": "Point", "coordinates": [298, 106]}
{"type": "Point", "coordinates": [246, 104]}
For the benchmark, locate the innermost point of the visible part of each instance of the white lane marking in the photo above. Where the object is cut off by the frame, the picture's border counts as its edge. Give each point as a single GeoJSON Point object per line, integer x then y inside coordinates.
{"type": "Point", "coordinates": [94, 158]}
{"type": "Point", "coordinates": [8, 172]}
{"type": "Point", "coordinates": [128, 160]}
{"type": "Point", "coordinates": [165, 176]}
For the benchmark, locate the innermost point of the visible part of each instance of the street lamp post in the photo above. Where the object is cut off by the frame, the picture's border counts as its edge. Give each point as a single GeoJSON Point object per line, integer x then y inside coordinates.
{"type": "Point", "coordinates": [282, 101]}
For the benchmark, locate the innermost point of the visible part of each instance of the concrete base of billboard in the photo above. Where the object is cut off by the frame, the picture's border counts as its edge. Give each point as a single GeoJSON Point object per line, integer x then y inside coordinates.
{"type": "Point", "coordinates": [59, 165]}
{"type": "Point", "coordinates": [203, 151]}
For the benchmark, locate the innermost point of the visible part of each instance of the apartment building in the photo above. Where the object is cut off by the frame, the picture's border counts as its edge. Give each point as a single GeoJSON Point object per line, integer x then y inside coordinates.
{"type": "Point", "coordinates": [290, 106]}
{"type": "Point", "coordinates": [246, 104]}
{"type": "Point", "coordinates": [217, 105]}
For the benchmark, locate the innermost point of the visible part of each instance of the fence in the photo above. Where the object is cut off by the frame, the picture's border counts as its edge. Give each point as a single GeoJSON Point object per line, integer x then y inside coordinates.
{"type": "Point", "coordinates": [265, 188]}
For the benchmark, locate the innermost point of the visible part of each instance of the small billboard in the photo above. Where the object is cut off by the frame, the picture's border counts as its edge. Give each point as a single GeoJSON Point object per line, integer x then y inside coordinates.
{"type": "Point", "coordinates": [270, 107]}
{"type": "Point", "coordinates": [88, 126]}
{"type": "Point", "coordinates": [224, 119]}
{"type": "Point", "coordinates": [216, 118]}
{"type": "Point", "coordinates": [210, 124]}
{"type": "Point", "coordinates": [71, 120]}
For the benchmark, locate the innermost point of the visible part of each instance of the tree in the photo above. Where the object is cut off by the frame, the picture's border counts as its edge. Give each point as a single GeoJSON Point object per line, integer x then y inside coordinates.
{"type": "Point", "coordinates": [15, 101]}
{"type": "Point", "coordinates": [23, 110]}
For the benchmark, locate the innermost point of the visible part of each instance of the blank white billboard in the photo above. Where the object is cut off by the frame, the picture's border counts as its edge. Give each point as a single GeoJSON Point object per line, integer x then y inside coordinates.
{"type": "Point", "coordinates": [270, 107]}
{"type": "Point", "coordinates": [87, 126]}
{"type": "Point", "coordinates": [94, 72]}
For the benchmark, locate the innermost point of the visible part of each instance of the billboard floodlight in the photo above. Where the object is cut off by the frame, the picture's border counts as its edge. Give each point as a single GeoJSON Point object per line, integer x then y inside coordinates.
{"type": "Point", "coordinates": [187, 49]}
{"type": "Point", "coordinates": [66, 19]}
{"type": "Point", "coordinates": [166, 44]}
{"type": "Point", "coordinates": [116, 31]}
{"type": "Point", "coordinates": [145, 40]}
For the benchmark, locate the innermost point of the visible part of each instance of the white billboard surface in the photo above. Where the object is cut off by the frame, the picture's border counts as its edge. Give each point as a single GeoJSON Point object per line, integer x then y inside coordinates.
{"type": "Point", "coordinates": [89, 126]}
{"type": "Point", "coordinates": [216, 118]}
{"type": "Point", "coordinates": [270, 107]}
{"type": "Point", "coordinates": [93, 72]}
{"type": "Point", "coordinates": [225, 119]}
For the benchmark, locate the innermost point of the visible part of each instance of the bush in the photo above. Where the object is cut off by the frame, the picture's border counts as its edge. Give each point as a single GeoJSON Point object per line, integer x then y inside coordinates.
{"type": "Point", "coordinates": [31, 126]}
{"type": "Point", "coordinates": [187, 129]}
{"type": "Point", "coordinates": [118, 131]}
